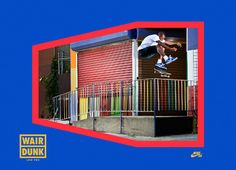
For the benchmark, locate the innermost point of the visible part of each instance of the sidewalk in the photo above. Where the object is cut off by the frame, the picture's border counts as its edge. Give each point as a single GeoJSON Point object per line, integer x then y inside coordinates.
{"type": "Point", "coordinates": [189, 137]}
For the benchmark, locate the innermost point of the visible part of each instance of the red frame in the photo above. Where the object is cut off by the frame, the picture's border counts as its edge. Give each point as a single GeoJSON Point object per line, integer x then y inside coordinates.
{"type": "Point", "coordinates": [35, 84]}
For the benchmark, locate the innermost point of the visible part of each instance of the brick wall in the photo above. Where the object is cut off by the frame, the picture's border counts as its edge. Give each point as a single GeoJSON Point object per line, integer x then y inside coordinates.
{"type": "Point", "coordinates": [112, 62]}
{"type": "Point", "coordinates": [45, 60]}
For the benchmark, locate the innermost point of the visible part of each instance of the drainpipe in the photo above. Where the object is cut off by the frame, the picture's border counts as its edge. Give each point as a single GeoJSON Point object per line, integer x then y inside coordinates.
{"type": "Point", "coordinates": [135, 75]}
{"type": "Point", "coordinates": [121, 95]}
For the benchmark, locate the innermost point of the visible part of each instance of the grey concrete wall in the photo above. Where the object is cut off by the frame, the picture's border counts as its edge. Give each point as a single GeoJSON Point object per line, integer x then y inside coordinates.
{"type": "Point", "coordinates": [133, 126]}
{"type": "Point", "coordinates": [87, 124]}
{"type": "Point", "coordinates": [139, 126]}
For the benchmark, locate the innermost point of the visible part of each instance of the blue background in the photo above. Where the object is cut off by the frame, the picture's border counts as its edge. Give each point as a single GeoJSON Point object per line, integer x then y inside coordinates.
{"type": "Point", "coordinates": [24, 23]}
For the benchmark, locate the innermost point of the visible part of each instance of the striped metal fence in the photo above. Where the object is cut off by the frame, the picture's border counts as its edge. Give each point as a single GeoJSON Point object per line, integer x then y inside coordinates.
{"type": "Point", "coordinates": [170, 95]}
{"type": "Point", "coordinates": [106, 99]}
{"type": "Point", "coordinates": [66, 106]}
{"type": "Point", "coordinates": [127, 98]}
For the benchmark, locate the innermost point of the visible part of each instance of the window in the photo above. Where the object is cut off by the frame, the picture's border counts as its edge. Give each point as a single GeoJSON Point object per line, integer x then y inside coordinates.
{"type": "Point", "coordinates": [193, 65]}
{"type": "Point", "coordinates": [63, 55]}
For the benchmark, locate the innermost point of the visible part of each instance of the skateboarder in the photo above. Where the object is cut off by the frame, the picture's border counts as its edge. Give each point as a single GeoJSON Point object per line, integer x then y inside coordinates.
{"type": "Point", "coordinates": [153, 44]}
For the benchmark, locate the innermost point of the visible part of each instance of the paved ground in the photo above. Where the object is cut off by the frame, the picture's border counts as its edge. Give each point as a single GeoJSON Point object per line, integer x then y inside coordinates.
{"type": "Point", "coordinates": [60, 121]}
{"type": "Point", "coordinates": [190, 137]}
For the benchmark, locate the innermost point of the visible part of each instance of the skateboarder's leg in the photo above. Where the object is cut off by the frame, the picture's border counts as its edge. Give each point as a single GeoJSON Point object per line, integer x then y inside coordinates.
{"type": "Point", "coordinates": [168, 59]}
{"type": "Point", "coordinates": [161, 52]}
{"type": "Point", "coordinates": [147, 52]}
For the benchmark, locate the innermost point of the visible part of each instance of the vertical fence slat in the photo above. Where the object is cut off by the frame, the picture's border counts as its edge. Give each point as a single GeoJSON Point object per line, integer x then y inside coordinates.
{"type": "Point", "coordinates": [93, 105]}
{"type": "Point", "coordinates": [151, 93]}
{"type": "Point", "coordinates": [194, 102]}
{"type": "Point", "coordinates": [141, 95]}
{"type": "Point", "coordinates": [165, 98]}
{"type": "Point", "coordinates": [155, 107]}
{"type": "Point", "coordinates": [148, 95]}
{"type": "Point", "coordinates": [158, 95]}
{"type": "Point", "coordinates": [168, 94]}
{"type": "Point", "coordinates": [173, 95]}
{"type": "Point", "coordinates": [121, 121]}
{"type": "Point", "coordinates": [144, 99]}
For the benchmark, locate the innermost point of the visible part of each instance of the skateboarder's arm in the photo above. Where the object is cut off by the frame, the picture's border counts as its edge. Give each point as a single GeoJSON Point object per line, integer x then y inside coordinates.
{"type": "Point", "coordinates": [173, 43]}
{"type": "Point", "coordinates": [165, 46]}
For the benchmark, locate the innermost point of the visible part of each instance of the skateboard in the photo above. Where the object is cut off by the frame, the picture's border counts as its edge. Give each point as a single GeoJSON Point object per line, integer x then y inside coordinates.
{"type": "Point", "coordinates": [162, 72]}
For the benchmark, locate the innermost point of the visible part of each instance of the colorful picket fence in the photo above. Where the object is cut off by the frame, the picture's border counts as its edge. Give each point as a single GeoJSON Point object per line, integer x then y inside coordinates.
{"type": "Point", "coordinates": [104, 99]}
{"type": "Point", "coordinates": [171, 95]}
{"type": "Point", "coordinates": [129, 98]}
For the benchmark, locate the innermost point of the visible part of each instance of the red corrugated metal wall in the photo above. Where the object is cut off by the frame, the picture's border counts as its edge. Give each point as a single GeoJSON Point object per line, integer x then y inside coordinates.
{"type": "Point", "coordinates": [112, 62]}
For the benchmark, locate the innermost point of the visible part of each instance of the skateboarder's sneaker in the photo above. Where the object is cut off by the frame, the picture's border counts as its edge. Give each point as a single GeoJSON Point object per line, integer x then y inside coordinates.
{"type": "Point", "coordinates": [170, 60]}
{"type": "Point", "coordinates": [160, 66]}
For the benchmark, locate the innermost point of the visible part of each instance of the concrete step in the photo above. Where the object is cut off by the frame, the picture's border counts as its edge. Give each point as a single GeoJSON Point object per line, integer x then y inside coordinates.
{"type": "Point", "coordinates": [139, 125]}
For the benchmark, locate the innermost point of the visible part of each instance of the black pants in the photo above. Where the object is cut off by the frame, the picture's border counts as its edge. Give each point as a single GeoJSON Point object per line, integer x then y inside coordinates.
{"type": "Point", "coordinates": [148, 51]}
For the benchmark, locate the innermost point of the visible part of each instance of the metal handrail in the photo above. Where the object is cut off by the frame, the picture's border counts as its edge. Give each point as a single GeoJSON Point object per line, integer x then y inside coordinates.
{"type": "Point", "coordinates": [110, 82]}
{"type": "Point", "coordinates": [55, 113]}
{"type": "Point", "coordinates": [62, 94]}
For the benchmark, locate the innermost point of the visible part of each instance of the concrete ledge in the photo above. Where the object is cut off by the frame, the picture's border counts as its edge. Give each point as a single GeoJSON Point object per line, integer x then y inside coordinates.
{"type": "Point", "coordinates": [139, 125]}
{"type": "Point", "coordinates": [132, 125]}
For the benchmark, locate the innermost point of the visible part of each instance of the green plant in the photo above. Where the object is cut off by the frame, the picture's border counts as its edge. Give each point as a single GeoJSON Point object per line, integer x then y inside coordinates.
{"type": "Point", "coordinates": [51, 84]}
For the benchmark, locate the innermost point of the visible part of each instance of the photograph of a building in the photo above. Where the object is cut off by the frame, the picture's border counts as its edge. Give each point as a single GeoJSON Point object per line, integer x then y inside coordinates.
{"type": "Point", "coordinates": [103, 85]}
